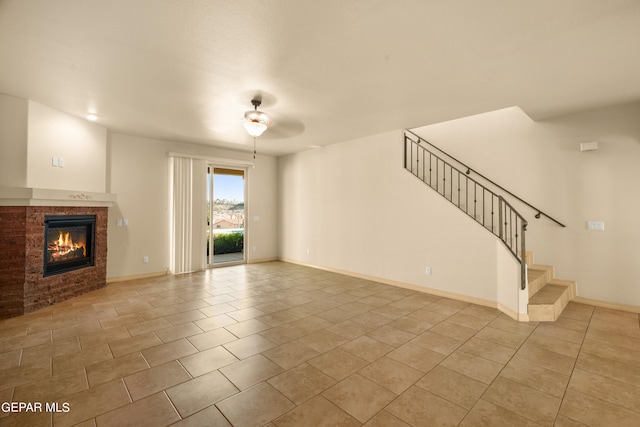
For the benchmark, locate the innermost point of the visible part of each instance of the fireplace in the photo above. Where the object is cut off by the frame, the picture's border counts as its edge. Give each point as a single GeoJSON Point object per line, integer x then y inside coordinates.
{"type": "Point", "coordinates": [35, 271]}
{"type": "Point", "coordinates": [68, 243]}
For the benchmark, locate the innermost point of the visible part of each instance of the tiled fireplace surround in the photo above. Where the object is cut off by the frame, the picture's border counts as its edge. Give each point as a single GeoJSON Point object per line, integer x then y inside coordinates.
{"type": "Point", "coordinates": [23, 288]}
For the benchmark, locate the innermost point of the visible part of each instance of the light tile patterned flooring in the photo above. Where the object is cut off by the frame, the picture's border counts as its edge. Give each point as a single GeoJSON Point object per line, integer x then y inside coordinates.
{"type": "Point", "coordinates": [283, 345]}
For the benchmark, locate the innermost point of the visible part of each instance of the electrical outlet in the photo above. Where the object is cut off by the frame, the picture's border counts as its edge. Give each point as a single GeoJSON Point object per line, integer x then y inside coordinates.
{"type": "Point", "coordinates": [145, 259]}
{"type": "Point", "coordinates": [428, 271]}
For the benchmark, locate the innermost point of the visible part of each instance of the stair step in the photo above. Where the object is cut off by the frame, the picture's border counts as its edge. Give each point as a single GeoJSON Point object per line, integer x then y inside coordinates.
{"type": "Point", "coordinates": [538, 276]}
{"type": "Point", "coordinates": [547, 304]}
{"type": "Point", "coordinates": [535, 274]}
{"type": "Point", "coordinates": [549, 294]}
{"type": "Point", "coordinates": [570, 284]}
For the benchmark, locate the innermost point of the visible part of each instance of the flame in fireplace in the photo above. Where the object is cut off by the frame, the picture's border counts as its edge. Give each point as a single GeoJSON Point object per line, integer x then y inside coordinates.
{"type": "Point", "coordinates": [64, 246]}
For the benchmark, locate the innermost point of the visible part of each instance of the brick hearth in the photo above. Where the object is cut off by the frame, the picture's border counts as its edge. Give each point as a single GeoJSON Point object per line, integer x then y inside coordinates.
{"type": "Point", "coordinates": [23, 288]}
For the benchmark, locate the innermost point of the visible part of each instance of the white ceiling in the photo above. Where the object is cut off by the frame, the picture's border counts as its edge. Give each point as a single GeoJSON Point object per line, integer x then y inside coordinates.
{"type": "Point", "coordinates": [328, 70]}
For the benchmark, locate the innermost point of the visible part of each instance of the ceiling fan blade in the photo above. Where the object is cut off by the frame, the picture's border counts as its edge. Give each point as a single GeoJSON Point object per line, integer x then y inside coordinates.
{"type": "Point", "coordinates": [283, 127]}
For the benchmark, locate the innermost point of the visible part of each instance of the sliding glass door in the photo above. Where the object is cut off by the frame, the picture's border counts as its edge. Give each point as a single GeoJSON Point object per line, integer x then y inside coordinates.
{"type": "Point", "coordinates": [226, 234]}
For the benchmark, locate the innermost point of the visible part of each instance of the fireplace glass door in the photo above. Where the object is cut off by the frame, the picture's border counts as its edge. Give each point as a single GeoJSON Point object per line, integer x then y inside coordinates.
{"type": "Point", "coordinates": [69, 243]}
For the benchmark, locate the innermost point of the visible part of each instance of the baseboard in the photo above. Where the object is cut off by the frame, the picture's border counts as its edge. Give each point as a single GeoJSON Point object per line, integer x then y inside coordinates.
{"type": "Point", "coordinates": [607, 304]}
{"type": "Point", "coordinates": [169, 272]}
{"type": "Point", "coordinates": [520, 317]}
{"type": "Point", "coordinates": [252, 261]}
{"type": "Point", "coordinates": [260, 260]}
{"type": "Point", "coordinates": [523, 317]}
{"type": "Point", "coordinates": [137, 276]}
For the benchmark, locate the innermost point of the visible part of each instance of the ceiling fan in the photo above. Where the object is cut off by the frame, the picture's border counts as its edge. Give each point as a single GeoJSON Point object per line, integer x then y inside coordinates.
{"type": "Point", "coordinates": [257, 123]}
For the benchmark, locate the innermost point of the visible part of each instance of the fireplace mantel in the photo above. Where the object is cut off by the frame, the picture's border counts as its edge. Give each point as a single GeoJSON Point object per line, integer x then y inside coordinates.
{"type": "Point", "coordinates": [17, 196]}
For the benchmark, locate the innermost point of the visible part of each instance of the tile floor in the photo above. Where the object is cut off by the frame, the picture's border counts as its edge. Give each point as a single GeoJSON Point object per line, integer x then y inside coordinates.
{"type": "Point", "coordinates": [283, 345]}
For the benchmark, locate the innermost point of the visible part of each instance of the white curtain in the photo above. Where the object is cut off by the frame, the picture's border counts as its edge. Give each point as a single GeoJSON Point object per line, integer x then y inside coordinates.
{"type": "Point", "coordinates": [188, 214]}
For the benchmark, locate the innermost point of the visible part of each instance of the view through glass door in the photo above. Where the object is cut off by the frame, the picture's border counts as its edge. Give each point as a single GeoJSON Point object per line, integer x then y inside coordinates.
{"type": "Point", "coordinates": [225, 216]}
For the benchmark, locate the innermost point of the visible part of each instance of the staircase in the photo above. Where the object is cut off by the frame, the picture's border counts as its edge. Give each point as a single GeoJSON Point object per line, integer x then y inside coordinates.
{"type": "Point", "coordinates": [475, 199]}
{"type": "Point", "coordinates": [548, 296]}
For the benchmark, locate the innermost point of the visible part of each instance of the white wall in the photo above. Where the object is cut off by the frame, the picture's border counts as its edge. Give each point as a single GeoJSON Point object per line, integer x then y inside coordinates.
{"type": "Point", "coordinates": [262, 210]}
{"type": "Point", "coordinates": [511, 299]}
{"type": "Point", "coordinates": [13, 141]}
{"type": "Point", "coordinates": [352, 207]}
{"type": "Point", "coordinates": [80, 143]}
{"type": "Point", "coordinates": [542, 163]}
{"type": "Point", "coordinates": [138, 173]}
{"type": "Point", "coordinates": [134, 168]}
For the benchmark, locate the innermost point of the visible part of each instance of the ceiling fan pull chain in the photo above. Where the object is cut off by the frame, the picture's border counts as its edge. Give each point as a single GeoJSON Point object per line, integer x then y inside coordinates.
{"type": "Point", "coordinates": [254, 148]}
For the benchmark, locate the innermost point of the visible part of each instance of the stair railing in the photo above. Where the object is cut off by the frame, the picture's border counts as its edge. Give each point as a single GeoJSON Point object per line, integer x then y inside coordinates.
{"type": "Point", "coordinates": [469, 170]}
{"type": "Point", "coordinates": [484, 206]}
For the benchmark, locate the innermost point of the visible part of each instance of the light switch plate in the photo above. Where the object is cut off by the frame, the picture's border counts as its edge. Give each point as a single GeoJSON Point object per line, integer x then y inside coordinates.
{"type": "Point", "coordinates": [595, 225]}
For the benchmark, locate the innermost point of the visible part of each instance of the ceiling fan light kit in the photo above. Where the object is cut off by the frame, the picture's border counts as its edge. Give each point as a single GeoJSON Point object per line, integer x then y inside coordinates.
{"type": "Point", "coordinates": [255, 122]}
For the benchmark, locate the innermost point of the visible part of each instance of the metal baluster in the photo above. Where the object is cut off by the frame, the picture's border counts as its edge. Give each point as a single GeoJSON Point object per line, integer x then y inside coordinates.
{"type": "Point", "coordinates": [458, 189]}
{"type": "Point", "coordinates": [510, 230]}
{"type": "Point", "coordinates": [444, 179]}
{"type": "Point", "coordinates": [506, 224]}
{"type": "Point", "coordinates": [475, 200]}
{"type": "Point", "coordinates": [493, 202]}
{"type": "Point", "coordinates": [500, 229]}
{"type": "Point", "coordinates": [412, 157]}
{"type": "Point", "coordinates": [483, 214]}
{"type": "Point", "coordinates": [405, 152]}
{"type": "Point", "coordinates": [423, 176]}
{"type": "Point", "coordinates": [466, 195]}
{"type": "Point", "coordinates": [451, 184]}
{"type": "Point", "coordinates": [523, 263]}
{"type": "Point", "coordinates": [515, 249]}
